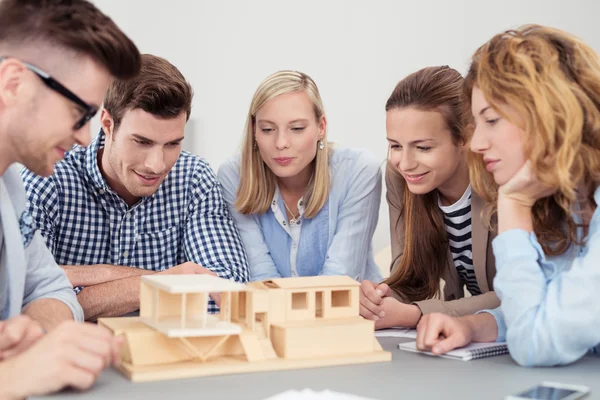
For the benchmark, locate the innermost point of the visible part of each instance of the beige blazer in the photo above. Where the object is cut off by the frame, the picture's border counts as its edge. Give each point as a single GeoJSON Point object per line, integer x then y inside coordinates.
{"type": "Point", "coordinates": [454, 301]}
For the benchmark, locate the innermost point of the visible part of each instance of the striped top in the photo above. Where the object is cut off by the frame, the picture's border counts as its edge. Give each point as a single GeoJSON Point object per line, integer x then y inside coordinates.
{"type": "Point", "coordinates": [457, 220]}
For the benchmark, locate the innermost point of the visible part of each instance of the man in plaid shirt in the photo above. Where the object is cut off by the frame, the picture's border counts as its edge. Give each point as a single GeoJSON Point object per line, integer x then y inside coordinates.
{"type": "Point", "coordinates": [132, 198]}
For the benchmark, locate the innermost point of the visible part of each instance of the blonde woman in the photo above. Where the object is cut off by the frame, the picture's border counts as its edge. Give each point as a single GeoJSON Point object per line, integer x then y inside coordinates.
{"type": "Point", "coordinates": [302, 207]}
{"type": "Point", "coordinates": [536, 100]}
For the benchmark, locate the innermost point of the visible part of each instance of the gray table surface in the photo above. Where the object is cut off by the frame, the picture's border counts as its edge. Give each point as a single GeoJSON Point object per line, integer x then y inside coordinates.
{"type": "Point", "coordinates": [407, 376]}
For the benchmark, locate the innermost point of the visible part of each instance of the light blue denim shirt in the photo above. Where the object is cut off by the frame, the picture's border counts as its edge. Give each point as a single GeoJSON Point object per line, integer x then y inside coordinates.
{"type": "Point", "coordinates": [337, 241]}
{"type": "Point", "coordinates": [27, 268]}
{"type": "Point", "coordinates": [550, 311]}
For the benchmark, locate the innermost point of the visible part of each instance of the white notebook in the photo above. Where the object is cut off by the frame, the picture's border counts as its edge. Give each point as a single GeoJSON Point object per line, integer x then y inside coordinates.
{"type": "Point", "coordinates": [397, 332]}
{"type": "Point", "coordinates": [470, 352]}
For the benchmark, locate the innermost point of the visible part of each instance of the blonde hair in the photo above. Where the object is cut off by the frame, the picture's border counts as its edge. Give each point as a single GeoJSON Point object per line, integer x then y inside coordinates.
{"type": "Point", "coordinates": [257, 181]}
{"type": "Point", "coordinates": [552, 80]}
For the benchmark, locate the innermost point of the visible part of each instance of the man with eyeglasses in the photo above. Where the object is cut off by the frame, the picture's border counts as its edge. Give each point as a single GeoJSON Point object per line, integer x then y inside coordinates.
{"type": "Point", "coordinates": [87, 111]}
{"type": "Point", "coordinates": [57, 58]}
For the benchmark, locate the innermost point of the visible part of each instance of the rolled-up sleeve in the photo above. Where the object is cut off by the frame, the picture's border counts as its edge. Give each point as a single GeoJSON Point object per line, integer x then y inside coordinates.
{"type": "Point", "coordinates": [46, 280]}
{"type": "Point", "coordinates": [500, 323]}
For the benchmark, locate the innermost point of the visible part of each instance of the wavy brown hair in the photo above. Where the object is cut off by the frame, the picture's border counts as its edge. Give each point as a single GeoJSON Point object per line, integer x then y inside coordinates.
{"type": "Point", "coordinates": [552, 80]}
{"type": "Point", "coordinates": [425, 255]}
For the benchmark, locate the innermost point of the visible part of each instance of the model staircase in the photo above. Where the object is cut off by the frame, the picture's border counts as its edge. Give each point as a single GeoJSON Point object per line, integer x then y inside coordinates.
{"type": "Point", "coordinates": [257, 346]}
{"type": "Point", "coordinates": [267, 348]}
{"type": "Point", "coordinates": [259, 329]}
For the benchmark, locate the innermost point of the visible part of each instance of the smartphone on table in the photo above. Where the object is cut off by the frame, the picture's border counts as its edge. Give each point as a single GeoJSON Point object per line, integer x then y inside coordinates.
{"type": "Point", "coordinates": [552, 391]}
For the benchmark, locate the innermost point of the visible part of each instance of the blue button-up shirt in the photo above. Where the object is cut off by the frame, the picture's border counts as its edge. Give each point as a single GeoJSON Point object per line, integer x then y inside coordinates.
{"type": "Point", "coordinates": [336, 241]}
{"type": "Point", "coordinates": [550, 313]}
{"type": "Point", "coordinates": [84, 222]}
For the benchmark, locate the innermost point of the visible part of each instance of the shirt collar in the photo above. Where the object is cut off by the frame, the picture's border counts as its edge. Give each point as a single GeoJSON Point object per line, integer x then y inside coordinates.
{"type": "Point", "coordinates": [277, 198]}
{"type": "Point", "coordinates": [91, 164]}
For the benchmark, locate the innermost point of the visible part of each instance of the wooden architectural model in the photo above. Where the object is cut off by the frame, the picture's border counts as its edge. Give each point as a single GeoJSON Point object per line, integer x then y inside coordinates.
{"type": "Point", "coordinates": [272, 325]}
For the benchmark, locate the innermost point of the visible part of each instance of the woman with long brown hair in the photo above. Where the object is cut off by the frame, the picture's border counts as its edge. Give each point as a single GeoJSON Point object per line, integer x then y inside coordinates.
{"type": "Point", "coordinates": [535, 94]}
{"type": "Point", "coordinates": [435, 217]}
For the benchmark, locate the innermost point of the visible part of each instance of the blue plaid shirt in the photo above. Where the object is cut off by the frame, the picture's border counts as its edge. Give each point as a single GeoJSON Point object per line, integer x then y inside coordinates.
{"type": "Point", "coordinates": [84, 222]}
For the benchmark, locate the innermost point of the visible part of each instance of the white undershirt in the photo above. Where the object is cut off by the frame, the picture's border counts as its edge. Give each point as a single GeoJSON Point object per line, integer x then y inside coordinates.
{"type": "Point", "coordinates": [292, 230]}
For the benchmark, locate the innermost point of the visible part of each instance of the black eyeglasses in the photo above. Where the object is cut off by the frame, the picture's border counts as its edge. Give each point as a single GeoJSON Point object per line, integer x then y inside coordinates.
{"type": "Point", "coordinates": [88, 110]}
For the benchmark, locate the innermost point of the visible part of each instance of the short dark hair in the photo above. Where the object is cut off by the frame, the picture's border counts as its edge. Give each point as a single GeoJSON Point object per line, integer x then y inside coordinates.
{"type": "Point", "coordinates": [159, 89]}
{"type": "Point", "coordinates": [75, 25]}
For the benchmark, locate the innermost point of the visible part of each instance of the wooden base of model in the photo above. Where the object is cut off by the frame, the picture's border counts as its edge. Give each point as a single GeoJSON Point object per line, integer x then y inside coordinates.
{"type": "Point", "coordinates": [262, 326]}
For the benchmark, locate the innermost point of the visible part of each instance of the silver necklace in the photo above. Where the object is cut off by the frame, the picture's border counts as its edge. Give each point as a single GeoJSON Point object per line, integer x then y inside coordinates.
{"type": "Point", "coordinates": [294, 218]}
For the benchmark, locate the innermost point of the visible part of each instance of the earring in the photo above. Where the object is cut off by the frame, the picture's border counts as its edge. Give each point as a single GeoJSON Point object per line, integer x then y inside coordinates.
{"type": "Point", "coordinates": [321, 144]}
{"type": "Point", "coordinates": [255, 145]}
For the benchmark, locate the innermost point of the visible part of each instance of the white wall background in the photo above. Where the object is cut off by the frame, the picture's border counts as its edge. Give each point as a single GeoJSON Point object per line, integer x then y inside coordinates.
{"type": "Point", "coordinates": [355, 50]}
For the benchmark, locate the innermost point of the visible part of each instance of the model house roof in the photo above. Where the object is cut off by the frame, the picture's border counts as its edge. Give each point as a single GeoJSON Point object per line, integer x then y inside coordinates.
{"type": "Point", "coordinates": [199, 283]}
{"type": "Point", "coordinates": [311, 282]}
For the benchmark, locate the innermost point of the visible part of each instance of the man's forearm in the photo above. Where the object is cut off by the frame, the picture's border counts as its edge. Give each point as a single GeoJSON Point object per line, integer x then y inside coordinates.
{"type": "Point", "coordinates": [111, 299]}
{"type": "Point", "coordinates": [48, 312]}
{"type": "Point", "coordinates": [89, 275]}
